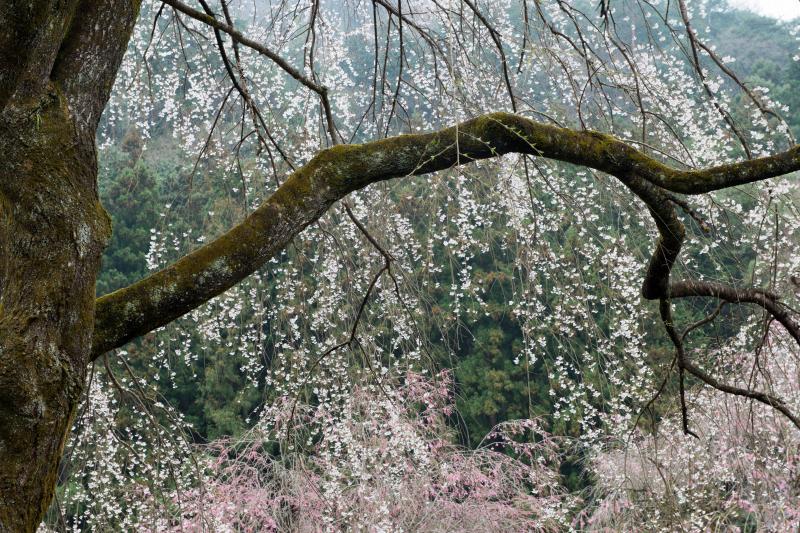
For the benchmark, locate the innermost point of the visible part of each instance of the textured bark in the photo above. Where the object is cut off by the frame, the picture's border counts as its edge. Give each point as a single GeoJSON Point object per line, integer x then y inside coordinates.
{"type": "Point", "coordinates": [335, 172]}
{"type": "Point", "coordinates": [30, 36]}
{"type": "Point", "coordinates": [58, 59]}
{"type": "Point", "coordinates": [52, 232]}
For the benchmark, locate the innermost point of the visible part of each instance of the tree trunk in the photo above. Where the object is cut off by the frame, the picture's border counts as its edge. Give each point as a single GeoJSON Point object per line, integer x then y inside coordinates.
{"type": "Point", "coordinates": [52, 232]}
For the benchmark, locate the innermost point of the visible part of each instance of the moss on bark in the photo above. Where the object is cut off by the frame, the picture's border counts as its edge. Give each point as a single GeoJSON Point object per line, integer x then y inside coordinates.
{"type": "Point", "coordinates": [339, 170]}
{"type": "Point", "coordinates": [52, 233]}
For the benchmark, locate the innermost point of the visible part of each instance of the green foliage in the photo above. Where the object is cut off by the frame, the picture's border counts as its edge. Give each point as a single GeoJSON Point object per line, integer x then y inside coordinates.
{"type": "Point", "coordinates": [130, 195]}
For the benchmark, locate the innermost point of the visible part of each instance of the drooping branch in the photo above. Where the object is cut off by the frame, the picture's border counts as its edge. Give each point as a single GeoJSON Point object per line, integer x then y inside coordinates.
{"type": "Point", "coordinates": [337, 171]}
{"type": "Point", "coordinates": [701, 75]}
{"type": "Point", "coordinates": [685, 364]}
{"type": "Point", "coordinates": [493, 33]}
{"type": "Point", "coordinates": [657, 285]}
{"type": "Point", "coordinates": [770, 303]}
{"type": "Point", "coordinates": [240, 38]}
{"type": "Point", "coordinates": [665, 308]}
{"type": "Point", "coordinates": [671, 234]}
{"type": "Point", "coordinates": [762, 397]}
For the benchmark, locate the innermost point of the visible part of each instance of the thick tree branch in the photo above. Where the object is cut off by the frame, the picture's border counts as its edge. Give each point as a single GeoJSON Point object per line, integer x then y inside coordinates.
{"type": "Point", "coordinates": [337, 171]}
{"type": "Point", "coordinates": [31, 32]}
{"type": "Point", "coordinates": [76, 44]}
{"type": "Point", "coordinates": [671, 234]}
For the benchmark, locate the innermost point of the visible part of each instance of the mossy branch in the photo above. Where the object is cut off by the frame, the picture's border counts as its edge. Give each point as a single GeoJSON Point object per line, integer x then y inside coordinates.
{"type": "Point", "coordinates": [199, 276]}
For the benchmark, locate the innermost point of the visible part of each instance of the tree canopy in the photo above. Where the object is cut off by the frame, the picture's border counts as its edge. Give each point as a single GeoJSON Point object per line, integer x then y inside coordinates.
{"type": "Point", "coordinates": [391, 264]}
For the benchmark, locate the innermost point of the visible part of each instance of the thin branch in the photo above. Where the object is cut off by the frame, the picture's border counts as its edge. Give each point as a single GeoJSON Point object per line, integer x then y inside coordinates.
{"type": "Point", "coordinates": [699, 69]}
{"type": "Point", "coordinates": [240, 38]}
{"type": "Point", "coordinates": [684, 363]}
{"type": "Point", "coordinates": [495, 35]}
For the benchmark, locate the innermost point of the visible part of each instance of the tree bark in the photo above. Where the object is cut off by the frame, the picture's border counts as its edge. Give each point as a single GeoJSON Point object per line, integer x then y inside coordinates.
{"type": "Point", "coordinates": [58, 60]}
{"type": "Point", "coordinates": [52, 232]}
{"type": "Point", "coordinates": [215, 267]}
